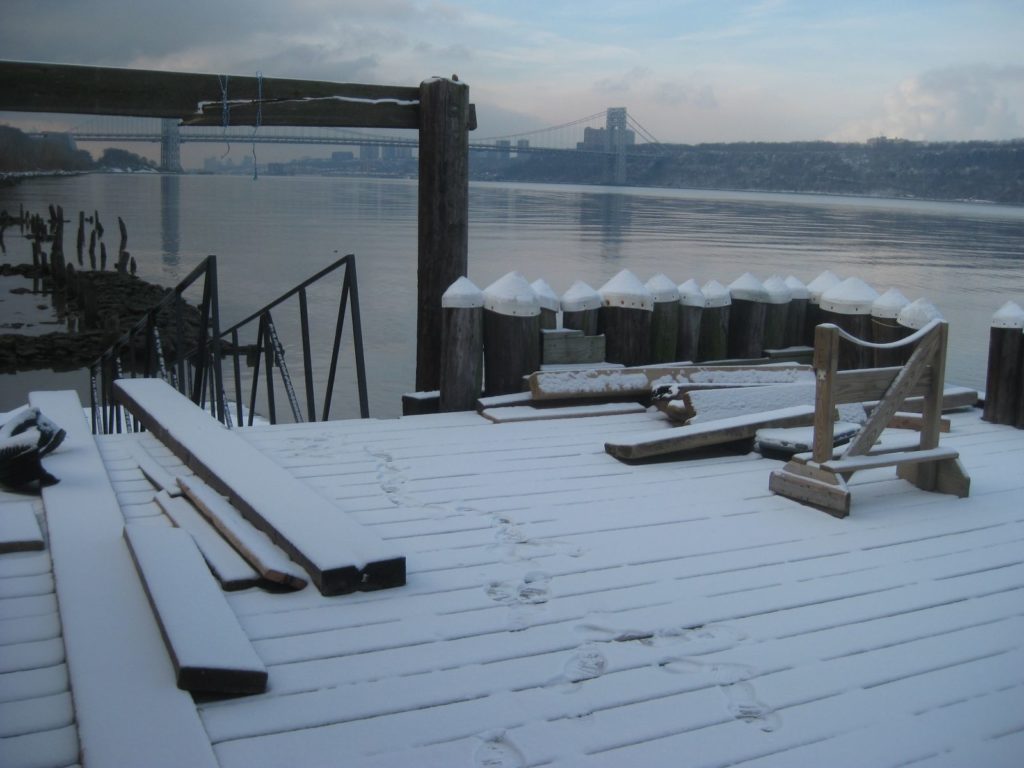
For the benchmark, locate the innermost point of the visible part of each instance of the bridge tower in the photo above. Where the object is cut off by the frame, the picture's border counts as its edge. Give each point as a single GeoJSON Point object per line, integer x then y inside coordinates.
{"type": "Point", "coordinates": [170, 146]}
{"type": "Point", "coordinates": [615, 143]}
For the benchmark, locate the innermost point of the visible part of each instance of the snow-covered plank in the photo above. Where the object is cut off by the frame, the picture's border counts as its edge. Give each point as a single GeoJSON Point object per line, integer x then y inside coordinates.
{"type": "Point", "coordinates": [44, 749]}
{"type": "Point", "coordinates": [161, 479]}
{"type": "Point", "coordinates": [339, 554]}
{"type": "Point", "coordinates": [528, 413]}
{"type": "Point", "coordinates": [19, 528]}
{"type": "Point", "coordinates": [211, 653]}
{"type": "Point", "coordinates": [46, 713]}
{"type": "Point", "coordinates": [33, 683]}
{"type": "Point", "coordinates": [30, 628]}
{"type": "Point", "coordinates": [115, 655]}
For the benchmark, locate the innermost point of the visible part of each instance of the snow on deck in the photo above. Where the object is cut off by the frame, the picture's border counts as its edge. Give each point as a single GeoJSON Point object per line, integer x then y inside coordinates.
{"type": "Point", "coordinates": [565, 608]}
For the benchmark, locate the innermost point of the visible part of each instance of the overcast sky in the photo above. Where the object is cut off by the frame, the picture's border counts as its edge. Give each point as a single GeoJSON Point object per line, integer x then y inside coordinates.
{"type": "Point", "coordinates": [688, 70]}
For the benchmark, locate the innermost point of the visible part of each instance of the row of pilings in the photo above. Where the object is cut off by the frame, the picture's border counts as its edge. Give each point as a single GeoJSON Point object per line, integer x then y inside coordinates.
{"type": "Point", "coordinates": [492, 338]}
{"type": "Point", "coordinates": [1004, 387]}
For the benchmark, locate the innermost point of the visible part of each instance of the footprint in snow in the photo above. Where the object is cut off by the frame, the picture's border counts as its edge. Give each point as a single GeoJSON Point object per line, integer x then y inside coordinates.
{"type": "Point", "coordinates": [586, 663]}
{"type": "Point", "coordinates": [533, 589]}
{"type": "Point", "coordinates": [743, 704]}
{"type": "Point", "coordinates": [497, 751]}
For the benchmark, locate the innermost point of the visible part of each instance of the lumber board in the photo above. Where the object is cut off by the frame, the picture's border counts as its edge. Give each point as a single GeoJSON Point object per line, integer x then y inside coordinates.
{"type": "Point", "coordinates": [19, 528]}
{"type": "Point", "coordinates": [571, 346]}
{"type": "Point", "coordinates": [874, 461]}
{"type": "Point", "coordinates": [858, 386]}
{"type": "Point", "coordinates": [339, 554]}
{"type": "Point", "coordinates": [529, 413]}
{"type": "Point", "coordinates": [231, 569]}
{"type": "Point", "coordinates": [953, 398]}
{"type": "Point", "coordinates": [828, 497]}
{"type": "Point", "coordinates": [210, 651]}
{"type": "Point", "coordinates": [161, 479]}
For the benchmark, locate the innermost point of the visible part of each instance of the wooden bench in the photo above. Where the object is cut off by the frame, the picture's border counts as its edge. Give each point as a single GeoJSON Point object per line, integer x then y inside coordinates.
{"type": "Point", "coordinates": [339, 554]}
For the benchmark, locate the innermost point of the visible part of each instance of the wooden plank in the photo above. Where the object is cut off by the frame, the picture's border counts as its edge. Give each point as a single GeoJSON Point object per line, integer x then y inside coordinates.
{"type": "Point", "coordinates": [953, 398]}
{"type": "Point", "coordinates": [686, 438]}
{"type": "Point", "coordinates": [161, 479]}
{"type": "Point", "coordinates": [873, 461]}
{"type": "Point", "coordinates": [528, 413]}
{"type": "Point", "coordinates": [231, 570]}
{"type": "Point", "coordinates": [210, 651]}
{"type": "Point", "coordinates": [339, 554]}
{"type": "Point", "coordinates": [710, 403]}
{"type": "Point", "coordinates": [269, 561]}
{"type": "Point", "coordinates": [19, 528]}
{"type": "Point", "coordinates": [904, 420]}
{"type": "Point", "coordinates": [571, 346]}
{"type": "Point", "coordinates": [859, 386]}
{"type": "Point", "coordinates": [828, 497]}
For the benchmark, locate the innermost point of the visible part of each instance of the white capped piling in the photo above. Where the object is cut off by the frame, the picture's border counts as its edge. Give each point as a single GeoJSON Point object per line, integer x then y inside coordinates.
{"type": "Point", "coordinates": [884, 328]}
{"type": "Point", "coordinates": [746, 319]}
{"type": "Point", "coordinates": [549, 304]}
{"type": "Point", "coordinates": [1003, 383]}
{"type": "Point", "coordinates": [796, 317]}
{"type": "Point", "coordinates": [691, 307]}
{"type": "Point", "coordinates": [848, 305]}
{"type": "Point", "coordinates": [625, 319]}
{"type": "Point", "coordinates": [665, 319]}
{"type": "Point", "coordinates": [580, 307]}
{"type": "Point", "coordinates": [462, 345]}
{"type": "Point", "coordinates": [511, 334]}
{"type": "Point", "coordinates": [915, 316]}
{"type": "Point", "coordinates": [714, 322]}
{"type": "Point", "coordinates": [776, 312]}
{"type": "Point", "coordinates": [815, 288]}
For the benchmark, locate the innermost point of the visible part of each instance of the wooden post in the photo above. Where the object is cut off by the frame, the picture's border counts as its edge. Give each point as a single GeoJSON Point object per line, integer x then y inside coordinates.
{"type": "Point", "coordinates": [443, 213]}
{"type": "Point", "coordinates": [511, 334]}
{"type": "Point", "coordinates": [549, 304]}
{"type": "Point", "coordinates": [664, 319]}
{"type": "Point", "coordinates": [462, 341]}
{"type": "Point", "coordinates": [848, 305]}
{"type": "Point", "coordinates": [815, 288]}
{"type": "Point", "coordinates": [746, 320]}
{"type": "Point", "coordinates": [796, 318]}
{"type": "Point", "coordinates": [1020, 385]}
{"type": "Point", "coordinates": [884, 328]}
{"type": "Point", "coordinates": [776, 312]}
{"type": "Point", "coordinates": [714, 322]}
{"type": "Point", "coordinates": [1003, 383]}
{"type": "Point", "coordinates": [580, 307]}
{"type": "Point", "coordinates": [625, 319]}
{"type": "Point", "coordinates": [80, 242]}
{"type": "Point", "coordinates": [691, 307]}
{"type": "Point", "coordinates": [826, 360]}
{"type": "Point", "coordinates": [915, 316]}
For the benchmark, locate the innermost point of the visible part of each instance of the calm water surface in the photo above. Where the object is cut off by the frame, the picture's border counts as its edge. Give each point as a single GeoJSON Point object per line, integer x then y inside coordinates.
{"type": "Point", "coordinates": [270, 234]}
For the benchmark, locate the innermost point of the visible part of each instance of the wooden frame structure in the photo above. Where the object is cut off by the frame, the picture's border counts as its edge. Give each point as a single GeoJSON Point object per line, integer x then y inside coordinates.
{"type": "Point", "coordinates": [819, 478]}
{"type": "Point", "coordinates": [438, 108]}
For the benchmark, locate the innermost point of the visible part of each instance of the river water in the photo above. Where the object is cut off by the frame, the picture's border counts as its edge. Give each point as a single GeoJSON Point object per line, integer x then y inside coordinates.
{"type": "Point", "coordinates": [270, 233]}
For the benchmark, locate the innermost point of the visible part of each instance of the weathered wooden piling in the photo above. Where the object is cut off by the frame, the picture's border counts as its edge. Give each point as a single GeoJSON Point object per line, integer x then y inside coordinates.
{"type": "Point", "coordinates": [462, 344]}
{"type": "Point", "coordinates": [776, 312]}
{"type": "Point", "coordinates": [714, 322]}
{"type": "Point", "coordinates": [915, 316]}
{"type": "Point", "coordinates": [815, 288]}
{"type": "Point", "coordinates": [80, 242]}
{"type": "Point", "coordinates": [124, 235]}
{"type": "Point", "coordinates": [848, 305]}
{"type": "Point", "coordinates": [796, 318]}
{"type": "Point", "coordinates": [746, 320]}
{"type": "Point", "coordinates": [511, 334]}
{"type": "Point", "coordinates": [580, 307]}
{"type": "Point", "coordinates": [664, 319]}
{"type": "Point", "coordinates": [103, 256]}
{"type": "Point", "coordinates": [549, 304]}
{"type": "Point", "coordinates": [1004, 380]}
{"type": "Point", "coordinates": [625, 319]}
{"type": "Point", "coordinates": [885, 329]}
{"type": "Point", "coordinates": [691, 308]}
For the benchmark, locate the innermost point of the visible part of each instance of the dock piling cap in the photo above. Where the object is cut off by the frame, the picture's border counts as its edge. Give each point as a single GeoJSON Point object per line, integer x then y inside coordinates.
{"type": "Point", "coordinates": [1010, 315]}
{"type": "Point", "coordinates": [888, 305]}
{"type": "Point", "coordinates": [715, 295]}
{"type": "Point", "coordinates": [746, 287]}
{"type": "Point", "coordinates": [511, 295]}
{"type": "Point", "coordinates": [663, 289]}
{"type": "Point", "coordinates": [690, 294]}
{"type": "Point", "coordinates": [462, 294]}
{"type": "Point", "coordinates": [625, 291]}
{"type": "Point", "coordinates": [851, 297]}
{"type": "Point", "coordinates": [545, 294]}
{"type": "Point", "coordinates": [778, 291]}
{"type": "Point", "coordinates": [797, 289]}
{"type": "Point", "coordinates": [820, 284]}
{"type": "Point", "coordinates": [580, 297]}
{"type": "Point", "coordinates": [917, 314]}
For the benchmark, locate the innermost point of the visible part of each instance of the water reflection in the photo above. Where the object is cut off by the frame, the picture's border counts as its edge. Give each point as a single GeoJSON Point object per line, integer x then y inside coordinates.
{"type": "Point", "coordinates": [170, 219]}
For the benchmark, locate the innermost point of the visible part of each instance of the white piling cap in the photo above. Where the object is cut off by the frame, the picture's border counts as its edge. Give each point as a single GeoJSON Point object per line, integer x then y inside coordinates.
{"type": "Point", "coordinates": [511, 295]}
{"type": "Point", "coordinates": [1010, 315]}
{"type": "Point", "coordinates": [462, 294]}
{"type": "Point", "coordinates": [820, 284]}
{"type": "Point", "coordinates": [690, 294]}
{"type": "Point", "coordinates": [889, 304]}
{"type": "Point", "coordinates": [580, 297]}
{"type": "Point", "coordinates": [662, 289]}
{"type": "Point", "coordinates": [778, 291]}
{"type": "Point", "coordinates": [715, 295]}
{"type": "Point", "coordinates": [545, 294]}
{"type": "Point", "coordinates": [746, 287]}
{"type": "Point", "coordinates": [917, 314]}
{"type": "Point", "coordinates": [625, 290]}
{"type": "Point", "coordinates": [851, 297]}
{"type": "Point", "coordinates": [797, 289]}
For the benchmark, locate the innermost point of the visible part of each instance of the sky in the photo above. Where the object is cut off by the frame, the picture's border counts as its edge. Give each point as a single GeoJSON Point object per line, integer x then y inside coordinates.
{"type": "Point", "coordinates": [689, 71]}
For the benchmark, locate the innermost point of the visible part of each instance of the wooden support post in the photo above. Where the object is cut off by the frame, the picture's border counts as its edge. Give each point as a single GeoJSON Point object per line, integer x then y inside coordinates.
{"type": "Point", "coordinates": [511, 334]}
{"type": "Point", "coordinates": [549, 304]}
{"type": "Point", "coordinates": [1019, 423]}
{"type": "Point", "coordinates": [625, 319]}
{"type": "Point", "coordinates": [462, 342]}
{"type": "Point", "coordinates": [1004, 381]}
{"type": "Point", "coordinates": [848, 305]}
{"type": "Point", "coordinates": [796, 318]}
{"type": "Point", "coordinates": [885, 329]}
{"type": "Point", "coordinates": [746, 320]}
{"type": "Point", "coordinates": [714, 322]}
{"type": "Point", "coordinates": [443, 213]}
{"type": "Point", "coordinates": [691, 308]}
{"type": "Point", "coordinates": [664, 320]}
{"type": "Point", "coordinates": [826, 362]}
{"type": "Point", "coordinates": [580, 306]}
{"type": "Point", "coordinates": [776, 312]}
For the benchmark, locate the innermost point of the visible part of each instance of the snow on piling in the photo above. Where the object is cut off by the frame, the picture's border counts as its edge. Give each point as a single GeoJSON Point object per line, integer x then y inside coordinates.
{"type": "Point", "coordinates": [462, 340]}
{"type": "Point", "coordinates": [580, 306]}
{"type": "Point", "coordinates": [549, 304]}
{"type": "Point", "coordinates": [796, 317]}
{"type": "Point", "coordinates": [848, 305]}
{"type": "Point", "coordinates": [746, 320]}
{"type": "Point", "coordinates": [1004, 386]}
{"type": "Point", "coordinates": [776, 312]}
{"type": "Point", "coordinates": [511, 334]}
{"type": "Point", "coordinates": [664, 320]}
{"type": "Point", "coordinates": [625, 319]}
{"type": "Point", "coordinates": [815, 288]}
{"type": "Point", "coordinates": [885, 329]}
{"type": "Point", "coordinates": [714, 322]}
{"type": "Point", "coordinates": [915, 316]}
{"type": "Point", "coordinates": [691, 307]}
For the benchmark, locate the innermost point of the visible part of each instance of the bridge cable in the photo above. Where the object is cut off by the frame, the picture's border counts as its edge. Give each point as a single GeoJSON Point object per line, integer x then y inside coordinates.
{"type": "Point", "coordinates": [259, 121]}
{"type": "Point", "coordinates": [225, 111]}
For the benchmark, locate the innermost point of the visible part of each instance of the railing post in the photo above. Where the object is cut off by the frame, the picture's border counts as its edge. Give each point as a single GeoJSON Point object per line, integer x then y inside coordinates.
{"type": "Point", "coordinates": [826, 362]}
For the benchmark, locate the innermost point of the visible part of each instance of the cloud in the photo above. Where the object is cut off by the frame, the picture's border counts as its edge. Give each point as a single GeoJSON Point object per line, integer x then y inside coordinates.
{"type": "Point", "coordinates": [624, 83]}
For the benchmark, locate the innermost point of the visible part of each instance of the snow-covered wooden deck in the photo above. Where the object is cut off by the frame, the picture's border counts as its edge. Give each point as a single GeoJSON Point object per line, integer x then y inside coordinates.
{"type": "Point", "coordinates": [563, 608]}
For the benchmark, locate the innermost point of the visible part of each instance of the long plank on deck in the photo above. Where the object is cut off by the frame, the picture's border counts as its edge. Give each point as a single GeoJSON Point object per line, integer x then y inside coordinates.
{"type": "Point", "coordinates": [115, 656]}
{"type": "Point", "coordinates": [339, 554]}
{"type": "Point", "coordinates": [19, 529]}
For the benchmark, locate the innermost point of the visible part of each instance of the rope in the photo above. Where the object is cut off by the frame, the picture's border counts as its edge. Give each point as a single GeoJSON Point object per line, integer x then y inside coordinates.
{"type": "Point", "coordinates": [225, 112]}
{"type": "Point", "coordinates": [912, 339]}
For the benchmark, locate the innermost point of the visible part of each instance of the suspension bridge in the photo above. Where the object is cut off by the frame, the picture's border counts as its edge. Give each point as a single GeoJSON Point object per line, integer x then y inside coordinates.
{"type": "Point", "coordinates": [611, 133]}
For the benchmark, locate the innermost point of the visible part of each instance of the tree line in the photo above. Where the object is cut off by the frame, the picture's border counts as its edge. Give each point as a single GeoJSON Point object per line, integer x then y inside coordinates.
{"type": "Point", "coordinates": [57, 152]}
